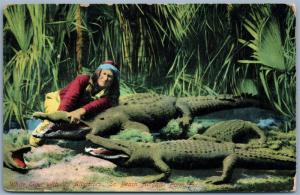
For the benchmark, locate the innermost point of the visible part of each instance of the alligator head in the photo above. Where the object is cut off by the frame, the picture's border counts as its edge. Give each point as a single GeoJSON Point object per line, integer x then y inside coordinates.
{"type": "Point", "coordinates": [78, 133]}
{"type": "Point", "coordinates": [14, 158]}
{"type": "Point", "coordinates": [54, 116]}
{"type": "Point", "coordinates": [102, 124]}
{"type": "Point", "coordinates": [116, 151]}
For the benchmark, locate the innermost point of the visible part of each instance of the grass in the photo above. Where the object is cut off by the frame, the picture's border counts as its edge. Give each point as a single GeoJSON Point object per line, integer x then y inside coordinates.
{"type": "Point", "coordinates": [133, 135]}
{"type": "Point", "coordinates": [51, 158]}
{"type": "Point", "coordinates": [16, 137]}
{"type": "Point", "coordinates": [274, 183]}
{"type": "Point", "coordinates": [108, 171]}
{"type": "Point", "coordinates": [172, 130]}
{"type": "Point", "coordinates": [185, 179]}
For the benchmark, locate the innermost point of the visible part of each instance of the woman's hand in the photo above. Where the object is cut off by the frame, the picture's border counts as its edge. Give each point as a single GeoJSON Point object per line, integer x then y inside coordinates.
{"type": "Point", "coordinates": [76, 115]}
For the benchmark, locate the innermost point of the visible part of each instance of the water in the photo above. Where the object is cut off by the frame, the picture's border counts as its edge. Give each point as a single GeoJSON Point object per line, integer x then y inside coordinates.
{"type": "Point", "coordinates": [263, 118]}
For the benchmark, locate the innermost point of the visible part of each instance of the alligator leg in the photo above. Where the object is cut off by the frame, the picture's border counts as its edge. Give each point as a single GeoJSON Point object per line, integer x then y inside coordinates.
{"type": "Point", "coordinates": [160, 166]}
{"type": "Point", "coordinates": [228, 166]}
{"type": "Point", "coordinates": [262, 140]}
{"type": "Point", "coordinates": [135, 125]}
{"type": "Point", "coordinates": [186, 119]}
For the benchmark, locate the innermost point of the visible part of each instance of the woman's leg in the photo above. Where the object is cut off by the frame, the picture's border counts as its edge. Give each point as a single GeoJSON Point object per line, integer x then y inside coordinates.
{"type": "Point", "coordinates": [51, 104]}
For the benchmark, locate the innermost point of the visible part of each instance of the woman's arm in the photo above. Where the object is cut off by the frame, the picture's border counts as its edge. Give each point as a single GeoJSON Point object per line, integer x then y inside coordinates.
{"type": "Point", "coordinates": [76, 115]}
{"type": "Point", "coordinates": [97, 106]}
{"type": "Point", "coordinates": [91, 108]}
{"type": "Point", "coordinates": [72, 92]}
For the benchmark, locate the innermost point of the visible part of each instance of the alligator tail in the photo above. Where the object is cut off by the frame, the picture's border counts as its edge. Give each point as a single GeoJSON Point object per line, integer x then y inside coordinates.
{"type": "Point", "coordinates": [267, 155]}
{"type": "Point", "coordinates": [207, 104]}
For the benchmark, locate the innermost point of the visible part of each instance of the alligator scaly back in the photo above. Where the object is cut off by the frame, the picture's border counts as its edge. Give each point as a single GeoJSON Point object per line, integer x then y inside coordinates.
{"type": "Point", "coordinates": [204, 104]}
{"type": "Point", "coordinates": [237, 131]}
{"type": "Point", "coordinates": [141, 98]}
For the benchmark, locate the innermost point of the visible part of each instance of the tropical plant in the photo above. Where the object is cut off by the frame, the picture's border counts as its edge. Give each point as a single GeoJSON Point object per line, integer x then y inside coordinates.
{"type": "Point", "coordinates": [276, 60]}
{"type": "Point", "coordinates": [34, 69]}
{"type": "Point", "coordinates": [178, 50]}
{"type": "Point", "coordinates": [25, 77]}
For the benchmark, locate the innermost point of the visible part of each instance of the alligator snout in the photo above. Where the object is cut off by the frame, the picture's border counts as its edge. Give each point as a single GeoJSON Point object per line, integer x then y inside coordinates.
{"type": "Point", "coordinates": [14, 158]}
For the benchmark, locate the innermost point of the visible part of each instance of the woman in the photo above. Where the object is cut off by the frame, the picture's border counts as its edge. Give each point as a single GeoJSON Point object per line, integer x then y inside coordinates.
{"type": "Point", "coordinates": [85, 96]}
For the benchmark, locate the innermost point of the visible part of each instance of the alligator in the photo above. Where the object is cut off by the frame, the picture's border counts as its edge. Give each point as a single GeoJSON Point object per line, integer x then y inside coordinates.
{"type": "Point", "coordinates": [191, 153]}
{"type": "Point", "coordinates": [144, 112]}
{"type": "Point", "coordinates": [236, 131]}
{"type": "Point", "coordinates": [13, 157]}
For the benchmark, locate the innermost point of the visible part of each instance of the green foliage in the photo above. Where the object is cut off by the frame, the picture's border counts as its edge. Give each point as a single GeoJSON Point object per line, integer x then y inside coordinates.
{"type": "Point", "coordinates": [31, 67]}
{"type": "Point", "coordinates": [17, 138]}
{"type": "Point", "coordinates": [178, 50]}
{"type": "Point", "coordinates": [125, 89]}
{"type": "Point", "coordinates": [276, 60]}
{"type": "Point", "coordinates": [267, 40]}
{"type": "Point", "coordinates": [195, 128]}
{"type": "Point", "coordinates": [259, 184]}
{"type": "Point", "coordinates": [183, 83]}
{"type": "Point", "coordinates": [247, 86]}
{"type": "Point", "coordinates": [133, 135]}
{"type": "Point", "coordinates": [108, 171]}
{"type": "Point", "coordinates": [51, 158]}
{"type": "Point", "coordinates": [172, 130]}
{"type": "Point", "coordinates": [185, 179]}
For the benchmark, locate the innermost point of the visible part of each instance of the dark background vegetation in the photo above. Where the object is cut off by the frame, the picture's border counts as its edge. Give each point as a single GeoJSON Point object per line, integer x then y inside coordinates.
{"type": "Point", "coordinates": [179, 50]}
